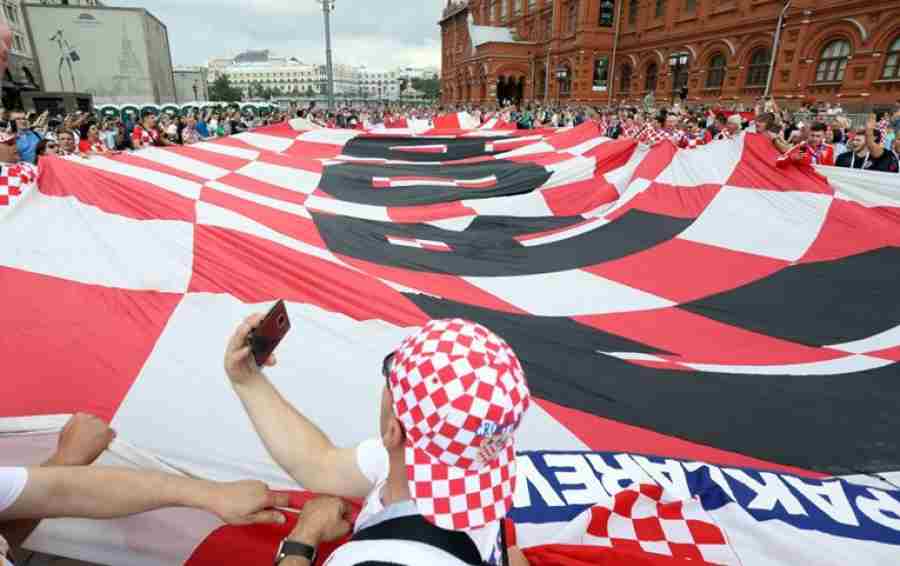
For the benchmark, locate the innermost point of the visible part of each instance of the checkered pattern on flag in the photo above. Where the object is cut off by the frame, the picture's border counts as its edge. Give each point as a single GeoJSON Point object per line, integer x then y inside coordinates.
{"type": "Point", "coordinates": [696, 320]}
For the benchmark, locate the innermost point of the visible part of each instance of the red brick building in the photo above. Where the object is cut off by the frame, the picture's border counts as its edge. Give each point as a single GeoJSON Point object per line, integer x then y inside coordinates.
{"type": "Point", "coordinates": [829, 50]}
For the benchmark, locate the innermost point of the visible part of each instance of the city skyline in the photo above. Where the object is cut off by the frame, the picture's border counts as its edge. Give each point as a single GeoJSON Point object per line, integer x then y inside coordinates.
{"type": "Point", "coordinates": [207, 29]}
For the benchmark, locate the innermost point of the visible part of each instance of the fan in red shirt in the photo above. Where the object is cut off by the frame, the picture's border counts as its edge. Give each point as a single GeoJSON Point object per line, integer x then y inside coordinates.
{"type": "Point", "coordinates": [145, 134]}
{"type": "Point", "coordinates": [90, 141]}
{"type": "Point", "coordinates": [819, 152]}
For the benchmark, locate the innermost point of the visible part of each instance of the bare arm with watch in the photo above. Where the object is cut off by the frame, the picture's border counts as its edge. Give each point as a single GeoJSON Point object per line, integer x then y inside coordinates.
{"type": "Point", "coordinates": [321, 520]}
{"type": "Point", "coordinates": [294, 442]}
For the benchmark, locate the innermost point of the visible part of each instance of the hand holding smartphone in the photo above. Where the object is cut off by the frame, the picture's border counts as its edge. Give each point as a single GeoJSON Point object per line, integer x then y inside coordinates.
{"type": "Point", "coordinates": [271, 330]}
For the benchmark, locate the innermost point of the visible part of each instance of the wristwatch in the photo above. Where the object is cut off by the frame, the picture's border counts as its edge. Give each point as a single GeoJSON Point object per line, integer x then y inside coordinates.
{"type": "Point", "coordinates": [290, 548]}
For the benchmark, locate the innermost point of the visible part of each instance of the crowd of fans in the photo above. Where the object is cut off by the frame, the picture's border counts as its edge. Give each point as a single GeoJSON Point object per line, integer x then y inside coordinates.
{"type": "Point", "coordinates": [821, 135]}
{"type": "Point", "coordinates": [84, 134]}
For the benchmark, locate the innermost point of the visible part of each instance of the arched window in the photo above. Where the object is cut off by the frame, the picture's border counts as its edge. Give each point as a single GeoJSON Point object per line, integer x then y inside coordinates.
{"type": "Point", "coordinates": [833, 61]}
{"type": "Point", "coordinates": [892, 62]}
{"type": "Point", "coordinates": [633, 11]}
{"type": "Point", "coordinates": [716, 74]}
{"type": "Point", "coordinates": [758, 71]}
{"type": "Point", "coordinates": [625, 78]}
{"type": "Point", "coordinates": [660, 10]}
{"type": "Point", "coordinates": [650, 80]}
{"type": "Point", "coordinates": [607, 13]}
{"type": "Point", "coordinates": [565, 84]}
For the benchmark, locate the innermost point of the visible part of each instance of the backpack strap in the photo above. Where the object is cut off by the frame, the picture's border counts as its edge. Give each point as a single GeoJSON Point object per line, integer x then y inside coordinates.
{"type": "Point", "coordinates": [415, 528]}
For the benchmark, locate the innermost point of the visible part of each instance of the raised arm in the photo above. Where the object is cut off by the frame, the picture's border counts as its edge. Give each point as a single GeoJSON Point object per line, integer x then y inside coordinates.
{"type": "Point", "coordinates": [107, 493]}
{"type": "Point", "coordinates": [294, 442]}
{"type": "Point", "coordinates": [876, 150]}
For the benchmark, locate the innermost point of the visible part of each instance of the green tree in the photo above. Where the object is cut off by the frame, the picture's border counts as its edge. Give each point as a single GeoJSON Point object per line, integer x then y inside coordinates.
{"type": "Point", "coordinates": [430, 87]}
{"type": "Point", "coordinates": [222, 90]}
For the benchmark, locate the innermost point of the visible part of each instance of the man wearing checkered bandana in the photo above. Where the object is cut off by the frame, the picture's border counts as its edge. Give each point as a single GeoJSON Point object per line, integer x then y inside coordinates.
{"type": "Point", "coordinates": [16, 177]}
{"type": "Point", "coordinates": [454, 396]}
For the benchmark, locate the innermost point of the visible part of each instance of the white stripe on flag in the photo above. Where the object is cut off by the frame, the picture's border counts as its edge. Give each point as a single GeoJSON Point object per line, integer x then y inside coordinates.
{"type": "Point", "coordinates": [888, 339]}
{"type": "Point", "coordinates": [560, 235]}
{"type": "Point", "coordinates": [292, 178]}
{"type": "Point", "coordinates": [570, 171]}
{"type": "Point", "coordinates": [777, 224]}
{"type": "Point", "coordinates": [848, 364]}
{"type": "Point", "coordinates": [344, 208]}
{"type": "Point", "coordinates": [530, 149]}
{"type": "Point", "coordinates": [228, 150]}
{"type": "Point", "coordinates": [709, 164]}
{"type": "Point", "coordinates": [62, 237]}
{"type": "Point", "coordinates": [328, 136]}
{"type": "Point", "coordinates": [568, 293]}
{"type": "Point", "coordinates": [263, 141]}
{"type": "Point", "coordinates": [524, 205]}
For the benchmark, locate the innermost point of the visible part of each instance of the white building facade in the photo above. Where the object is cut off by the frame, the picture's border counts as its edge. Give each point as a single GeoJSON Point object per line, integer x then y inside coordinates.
{"type": "Point", "coordinates": [290, 77]}
{"type": "Point", "coordinates": [21, 70]}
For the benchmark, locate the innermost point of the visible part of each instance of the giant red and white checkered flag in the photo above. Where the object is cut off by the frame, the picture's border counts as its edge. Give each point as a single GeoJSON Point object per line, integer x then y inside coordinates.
{"type": "Point", "coordinates": [695, 320]}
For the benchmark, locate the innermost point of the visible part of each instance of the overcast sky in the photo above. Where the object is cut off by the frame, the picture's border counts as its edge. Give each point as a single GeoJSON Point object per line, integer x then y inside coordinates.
{"type": "Point", "coordinates": [380, 34]}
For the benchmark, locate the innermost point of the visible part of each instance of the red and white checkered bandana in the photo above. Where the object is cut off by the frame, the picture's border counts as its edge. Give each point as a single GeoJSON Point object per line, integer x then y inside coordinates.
{"type": "Point", "coordinates": [460, 392]}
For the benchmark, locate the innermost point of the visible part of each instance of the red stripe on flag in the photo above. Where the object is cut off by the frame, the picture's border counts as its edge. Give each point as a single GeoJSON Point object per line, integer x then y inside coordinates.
{"type": "Point", "coordinates": [136, 160]}
{"type": "Point", "coordinates": [103, 337]}
{"type": "Point", "coordinates": [671, 200]}
{"type": "Point", "coordinates": [755, 170]}
{"type": "Point", "coordinates": [486, 183]}
{"type": "Point", "coordinates": [698, 339]}
{"type": "Point", "coordinates": [261, 188]}
{"type": "Point", "coordinates": [257, 544]}
{"type": "Point", "coordinates": [113, 193]}
{"type": "Point", "coordinates": [281, 130]}
{"type": "Point", "coordinates": [850, 229]}
{"type": "Point", "coordinates": [256, 270]}
{"type": "Point", "coordinates": [228, 162]}
{"type": "Point", "coordinates": [580, 197]}
{"type": "Point", "coordinates": [447, 286]}
{"type": "Point", "coordinates": [287, 223]}
{"type": "Point", "coordinates": [681, 261]}
{"type": "Point", "coordinates": [429, 212]}
{"type": "Point", "coordinates": [314, 150]}
{"type": "Point", "coordinates": [575, 136]}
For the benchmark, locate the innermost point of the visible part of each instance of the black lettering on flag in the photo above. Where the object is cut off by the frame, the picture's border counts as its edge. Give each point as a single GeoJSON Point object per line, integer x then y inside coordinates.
{"type": "Point", "coordinates": [816, 304]}
{"type": "Point", "coordinates": [836, 424]}
{"type": "Point", "coordinates": [364, 182]}
{"type": "Point", "coordinates": [488, 248]}
{"type": "Point", "coordinates": [399, 148]}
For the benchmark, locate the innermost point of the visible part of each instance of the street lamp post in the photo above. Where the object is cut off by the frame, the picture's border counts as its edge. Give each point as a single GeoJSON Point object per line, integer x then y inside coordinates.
{"type": "Point", "coordinates": [327, 7]}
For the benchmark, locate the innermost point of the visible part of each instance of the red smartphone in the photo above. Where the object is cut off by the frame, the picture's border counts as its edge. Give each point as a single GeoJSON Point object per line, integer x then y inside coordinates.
{"type": "Point", "coordinates": [265, 338]}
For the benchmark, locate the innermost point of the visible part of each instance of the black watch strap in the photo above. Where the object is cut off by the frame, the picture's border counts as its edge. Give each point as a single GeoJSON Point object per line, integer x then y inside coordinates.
{"type": "Point", "coordinates": [290, 548]}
